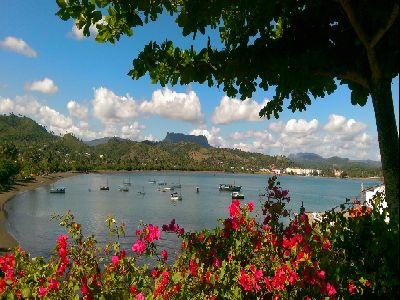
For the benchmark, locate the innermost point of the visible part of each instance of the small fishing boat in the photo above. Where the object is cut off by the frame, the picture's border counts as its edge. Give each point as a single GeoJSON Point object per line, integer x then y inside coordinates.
{"type": "Point", "coordinates": [105, 187]}
{"type": "Point", "coordinates": [123, 189]}
{"type": "Point", "coordinates": [152, 181]}
{"type": "Point", "coordinates": [57, 190]}
{"type": "Point", "coordinates": [176, 196]}
{"type": "Point", "coordinates": [237, 195]}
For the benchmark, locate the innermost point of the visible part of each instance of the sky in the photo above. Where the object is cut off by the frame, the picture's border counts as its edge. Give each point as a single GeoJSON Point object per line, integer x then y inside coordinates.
{"type": "Point", "coordinates": [72, 84]}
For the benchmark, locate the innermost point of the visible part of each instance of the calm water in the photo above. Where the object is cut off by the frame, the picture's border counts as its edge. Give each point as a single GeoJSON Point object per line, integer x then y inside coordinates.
{"type": "Point", "coordinates": [29, 213]}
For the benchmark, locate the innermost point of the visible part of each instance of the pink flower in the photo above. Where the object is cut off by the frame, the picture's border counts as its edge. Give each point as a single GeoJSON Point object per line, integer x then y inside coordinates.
{"type": "Point", "coordinates": [250, 206]}
{"type": "Point", "coordinates": [115, 260]}
{"type": "Point", "coordinates": [139, 247]}
{"type": "Point", "coordinates": [164, 254]}
{"type": "Point", "coordinates": [327, 246]}
{"type": "Point", "coordinates": [330, 289]}
{"type": "Point", "coordinates": [216, 262]}
{"type": "Point", "coordinates": [84, 289]}
{"type": "Point", "coordinates": [140, 296]}
{"type": "Point", "coordinates": [54, 284]}
{"type": "Point", "coordinates": [42, 291]}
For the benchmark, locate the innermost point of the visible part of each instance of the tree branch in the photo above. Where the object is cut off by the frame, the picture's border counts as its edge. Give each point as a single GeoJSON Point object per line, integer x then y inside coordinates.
{"type": "Point", "coordinates": [377, 37]}
{"type": "Point", "coordinates": [351, 76]}
{"type": "Point", "coordinates": [354, 23]}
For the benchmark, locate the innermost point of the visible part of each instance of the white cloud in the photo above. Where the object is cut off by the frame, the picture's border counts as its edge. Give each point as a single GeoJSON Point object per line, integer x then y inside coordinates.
{"type": "Point", "coordinates": [132, 131]}
{"type": "Point", "coordinates": [232, 110]}
{"type": "Point", "coordinates": [18, 45]}
{"type": "Point", "coordinates": [46, 116]}
{"type": "Point", "coordinates": [112, 109]}
{"type": "Point", "coordinates": [45, 86]}
{"type": "Point", "coordinates": [276, 126]}
{"type": "Point", "coordinates": [77, 33]}
{"type": "Point", "coordinates": [339, 125]}
{"type": "Point", "coordinates": [77, 110]}
{"type": "Point", "coordinates": [172, 105]}
{"type": "Point", "coordinates": [213, 136]}
{"type": "Point", "coordinates": [301, 126]}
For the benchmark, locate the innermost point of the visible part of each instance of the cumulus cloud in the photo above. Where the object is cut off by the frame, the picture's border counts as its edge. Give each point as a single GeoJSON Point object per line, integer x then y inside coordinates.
{"type": "Point", "coordinates": [301, 126]}
{"type": "Point", "coordinates": [213, 136]}
{"type": "Point", "coordinates": [231, 110]}
{"type": "Point", "coordinates": [339, 125]}
{"type": "Point", "coordinates": [298, 135]}
{"type": "Point", "coordinates": [45, 86]}
{"type": "Point", "coordinates": [77, 33]}
{"type": "Point", "coordinates": [46, 116]}
{"type": "Point", "coordinates": [17, 45]}
{"type": "Point", "coordinates": [172, 105]}
{"type": "Point", "coordinates": [110, 108]}
{"type": "Point", "coordinates": [77, 110]}
{"type": "Point", "coordinates": [133, 131]}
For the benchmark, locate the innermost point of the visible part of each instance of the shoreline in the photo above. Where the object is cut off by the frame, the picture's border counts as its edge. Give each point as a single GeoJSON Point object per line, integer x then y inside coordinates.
{"type": "Point", "coordinates": [7, 241]}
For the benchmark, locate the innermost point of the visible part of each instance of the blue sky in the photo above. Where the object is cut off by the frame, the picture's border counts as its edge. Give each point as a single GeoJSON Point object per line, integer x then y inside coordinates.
{"type": "Point", "coordinates": [68, 83]}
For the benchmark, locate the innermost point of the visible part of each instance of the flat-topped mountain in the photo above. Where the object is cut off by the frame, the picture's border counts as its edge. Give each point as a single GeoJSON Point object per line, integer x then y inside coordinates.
{"type": "Point", "coordinates": [180, 137]}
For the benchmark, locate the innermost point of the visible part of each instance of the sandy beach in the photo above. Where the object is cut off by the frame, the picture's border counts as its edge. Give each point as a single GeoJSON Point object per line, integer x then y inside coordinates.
{"type": "Point", "coordinates": [6, 240]}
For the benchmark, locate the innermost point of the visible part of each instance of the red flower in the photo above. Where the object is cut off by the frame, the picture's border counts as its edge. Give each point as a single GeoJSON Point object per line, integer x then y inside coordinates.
{"type": "Point", "coordinates": [234, 208]}
{"type": "Point", "coordinates": [250, 206]}
{"type": "Point", "coordinates": [351, 288]}
{"type": "Point", "coordinates": [42, 291]}
{"type": "Point", "coordinates": [164, 254]}
{"type": "Point", "coordinates": [330, 289]}
{"type": "Point", "coordinates": [132, 289]}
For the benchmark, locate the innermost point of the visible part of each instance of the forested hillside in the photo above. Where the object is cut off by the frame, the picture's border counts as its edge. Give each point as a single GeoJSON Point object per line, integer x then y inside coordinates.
{"type": "Point", "coordinates": [31, 149]}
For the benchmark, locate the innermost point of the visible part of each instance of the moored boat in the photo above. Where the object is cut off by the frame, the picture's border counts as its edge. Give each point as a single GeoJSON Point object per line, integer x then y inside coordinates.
{"type": "Point", "coordinates": [123, 189]}
{"type": "Point", "coordinates": [237, 195]}
{"type": "Point", "coordinates": [176, 196]}
{"type": "Point", "coordinates": [230, 187]}
{"type": "Point", "coordinates": [57, 190]}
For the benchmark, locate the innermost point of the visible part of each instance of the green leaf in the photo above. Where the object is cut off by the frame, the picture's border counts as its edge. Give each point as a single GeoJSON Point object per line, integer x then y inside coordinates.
{"type": "Point", "coordinates": [26, 292]}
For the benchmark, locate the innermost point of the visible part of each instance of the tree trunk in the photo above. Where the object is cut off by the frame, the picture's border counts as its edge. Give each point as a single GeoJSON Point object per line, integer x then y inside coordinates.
{"type": "Point", "coordinates": [388, 138]}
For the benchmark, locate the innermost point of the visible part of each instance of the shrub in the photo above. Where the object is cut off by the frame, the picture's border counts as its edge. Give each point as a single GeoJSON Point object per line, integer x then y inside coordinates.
{"type": "Point", "coordinates": [252, 255]}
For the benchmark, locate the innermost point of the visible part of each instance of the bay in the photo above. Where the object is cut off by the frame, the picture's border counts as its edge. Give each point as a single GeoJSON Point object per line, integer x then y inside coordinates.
{"type": "Point", "coordinates": [29, 213]}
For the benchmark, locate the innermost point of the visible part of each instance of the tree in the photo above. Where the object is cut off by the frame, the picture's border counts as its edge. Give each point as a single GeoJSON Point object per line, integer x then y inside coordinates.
{"type": "Point", "coordinates": [303, 48]}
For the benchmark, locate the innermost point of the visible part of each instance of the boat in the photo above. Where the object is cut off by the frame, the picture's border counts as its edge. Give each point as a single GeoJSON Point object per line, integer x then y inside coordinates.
{"type": "Point", "coordinates": [123, 189]}
{"type": "Point", "coordinates": [169, 188]}
{"type": "Point", "coordinates": [162, 183]}
{"type": "Point", "coordinates": [142, 192]}
{"type": "Point", "coordinates": [127, 182]}
{"type": "Point", "coordinates": [230, 187]}
{"type": "Point", "coordinates": [57, 190]}
{"type": "Point", "coordinates": [105, 187]}
{"type": "Point", "coordinates": [177, 185]}
{"type": "Point", "coordinates": [237, 195]}
{"type": "Point", "coordinates": [152, 181]}
{"type": "Point", "coordinates": [176, 196]}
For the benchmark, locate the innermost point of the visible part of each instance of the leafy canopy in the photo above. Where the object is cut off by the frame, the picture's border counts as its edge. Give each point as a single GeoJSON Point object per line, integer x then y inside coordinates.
{"type": "Point", "coordinates": [301, 47]}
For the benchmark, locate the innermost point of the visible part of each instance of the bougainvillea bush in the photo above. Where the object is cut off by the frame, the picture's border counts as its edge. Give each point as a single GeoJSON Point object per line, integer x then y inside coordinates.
{"type": "Point", "coordinates": [350, 254]}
